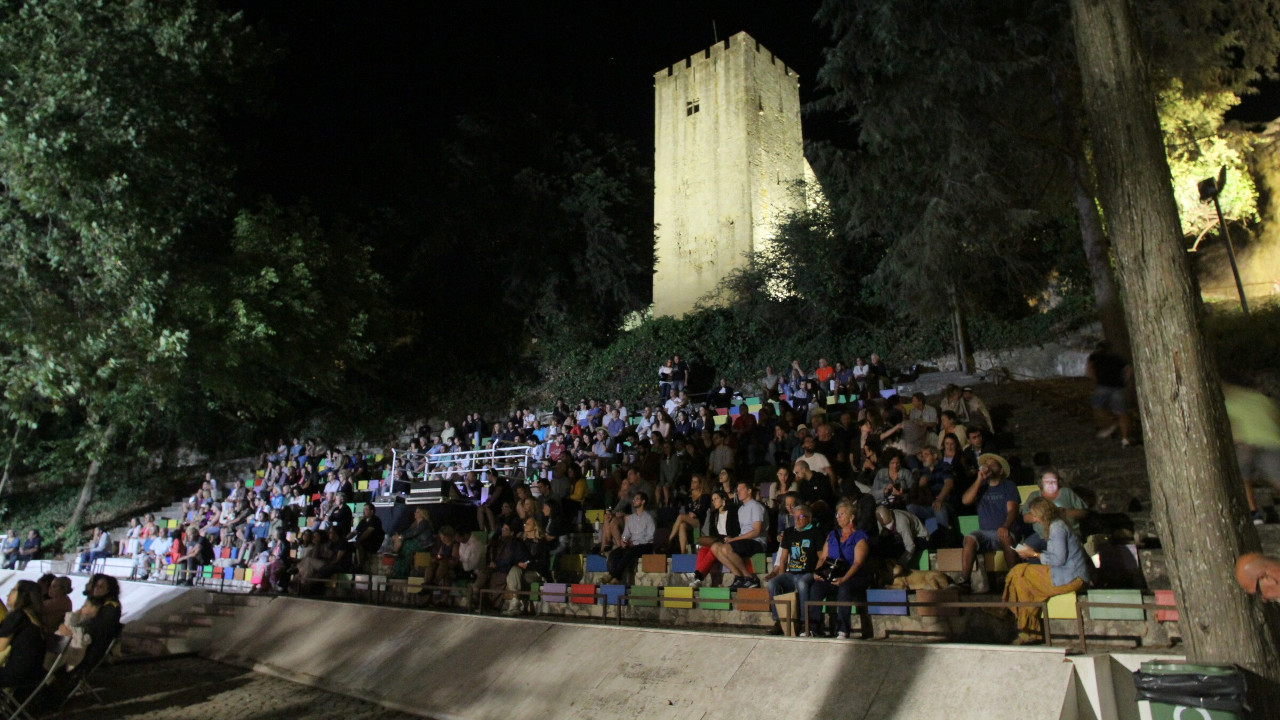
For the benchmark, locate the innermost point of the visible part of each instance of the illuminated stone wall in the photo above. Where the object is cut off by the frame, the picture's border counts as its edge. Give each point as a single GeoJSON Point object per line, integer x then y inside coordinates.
{"type": "Point", "coordinates": [728, 163]}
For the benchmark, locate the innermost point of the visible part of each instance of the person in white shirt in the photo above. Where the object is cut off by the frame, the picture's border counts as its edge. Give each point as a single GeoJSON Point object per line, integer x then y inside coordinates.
{"type": "Point", "coordinates": [645, 424]}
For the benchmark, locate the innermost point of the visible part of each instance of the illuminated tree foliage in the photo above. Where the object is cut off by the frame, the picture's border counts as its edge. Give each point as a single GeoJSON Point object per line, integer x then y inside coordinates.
{"type": "Point", "coordinates": [132, 302]}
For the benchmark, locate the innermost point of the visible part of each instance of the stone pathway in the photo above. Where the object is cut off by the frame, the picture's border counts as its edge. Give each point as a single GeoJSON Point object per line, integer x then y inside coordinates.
{"type": "Point", "coordinates": [193, 688]}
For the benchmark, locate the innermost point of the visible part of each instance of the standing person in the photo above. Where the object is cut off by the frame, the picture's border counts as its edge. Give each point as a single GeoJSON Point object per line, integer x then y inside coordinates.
{"type": "Point", "coordinates": [797, 558]}
{"type": "Point", "coordinates": [1110, 374]}
{"type": "Point", "coordinates": [1061, 569]}
{"type": "Point", "coordinates": [1255, 430]}
{"type": "Point", "coordinates": [769, 383]}
{"type": "Point", "coordinates": [664, 379]}
{"type": "Point", "coordinates": [878, 373]}
{"type": "Point", "coordinates": [849, 577]}
{"type": "Point", "coordinates": [679, 373]}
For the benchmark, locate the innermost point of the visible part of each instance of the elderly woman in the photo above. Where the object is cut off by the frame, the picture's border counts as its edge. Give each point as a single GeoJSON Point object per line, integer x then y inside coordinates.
{"type": "Point", "coordinates": [849, 578]}
{"type": "Point", "coordinates": [413, 540]}
{"type": "Point", "coordinates": [1061, 569]}
{"type": "Point", "coordinates": [1072, 508]}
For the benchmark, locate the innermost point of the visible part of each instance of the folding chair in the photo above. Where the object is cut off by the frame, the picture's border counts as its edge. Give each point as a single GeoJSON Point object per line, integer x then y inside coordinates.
{"type": "Point", "coordinates": [82, 683]}
{"type": "Point", "coordinates": [19, 710]}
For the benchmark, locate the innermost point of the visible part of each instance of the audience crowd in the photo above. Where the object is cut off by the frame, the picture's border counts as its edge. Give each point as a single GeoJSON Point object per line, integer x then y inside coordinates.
{"type": "Point", "coordinates": [840, 484]}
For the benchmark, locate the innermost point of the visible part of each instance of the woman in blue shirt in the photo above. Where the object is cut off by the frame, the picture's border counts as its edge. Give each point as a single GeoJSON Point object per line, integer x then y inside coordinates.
{"type": "Point", "coordinates": [849, 544]}
{"type": "Point", "coordinates": [1059, 569]}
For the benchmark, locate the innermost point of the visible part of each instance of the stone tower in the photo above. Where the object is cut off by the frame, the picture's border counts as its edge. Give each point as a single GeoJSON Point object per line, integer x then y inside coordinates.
{"type": "Point", "coordinates": [728, 160]}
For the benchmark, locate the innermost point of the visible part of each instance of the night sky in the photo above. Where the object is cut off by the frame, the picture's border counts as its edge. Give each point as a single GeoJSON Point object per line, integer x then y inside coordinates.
{"type": "Point", "coordinates": [363, 87]}
{"type": "Point", "coordinates": [366, 84]}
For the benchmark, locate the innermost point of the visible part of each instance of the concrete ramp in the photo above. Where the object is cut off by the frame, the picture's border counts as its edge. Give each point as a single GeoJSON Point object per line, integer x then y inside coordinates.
{"type": "Point", "coordinates": [463, 666]}
{"type": "Point", "coordinates": [139, 601]}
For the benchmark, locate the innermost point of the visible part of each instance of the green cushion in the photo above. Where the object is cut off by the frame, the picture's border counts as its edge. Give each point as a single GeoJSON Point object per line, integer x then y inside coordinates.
{"type": "Point", "coordinates": [643, 591]}
{"type": "Point", "coordinates": [714, 593]}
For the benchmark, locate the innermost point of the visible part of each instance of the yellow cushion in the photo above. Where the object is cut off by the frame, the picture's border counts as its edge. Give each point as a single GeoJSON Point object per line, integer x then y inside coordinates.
{"type": "Point", "coordinates": [1062, 607]}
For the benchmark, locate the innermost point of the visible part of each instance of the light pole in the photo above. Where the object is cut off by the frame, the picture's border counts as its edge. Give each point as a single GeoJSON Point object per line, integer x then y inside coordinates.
{"type": "Point", "coordinates": [1210, 188]}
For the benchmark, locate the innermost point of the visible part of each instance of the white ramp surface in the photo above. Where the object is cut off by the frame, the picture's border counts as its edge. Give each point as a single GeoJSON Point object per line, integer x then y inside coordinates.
{"type": "Point", "coordinates": [448, 665]}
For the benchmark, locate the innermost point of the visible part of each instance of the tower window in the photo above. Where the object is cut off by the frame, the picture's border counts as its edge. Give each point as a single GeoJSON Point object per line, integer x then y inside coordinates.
{"type": "Point", "coordinates": [691, 107]}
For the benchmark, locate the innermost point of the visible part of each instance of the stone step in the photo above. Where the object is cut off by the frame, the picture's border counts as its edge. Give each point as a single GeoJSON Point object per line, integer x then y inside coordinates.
{"type": "Point", "coordinates": [237, 599]}
{"type": "Point", "coordinates": [191, 619]}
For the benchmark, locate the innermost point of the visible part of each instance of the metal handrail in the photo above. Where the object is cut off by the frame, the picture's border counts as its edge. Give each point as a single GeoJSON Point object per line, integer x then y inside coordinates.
{"type": "Point", "coordinates": [1084, 603]}
{"type": "Point", "coordinates": [509, 459]}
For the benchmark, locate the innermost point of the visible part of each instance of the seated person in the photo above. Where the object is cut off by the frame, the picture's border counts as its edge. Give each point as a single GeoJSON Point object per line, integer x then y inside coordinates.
{"type": "Point", "coordinates": [1051, 488]}
{"type": "Point", "coordinates": [892, 482]}
{"type": "Point", "coordinates": [415, 539]}
{"type": "Point", "coordinates": [530, 570]}
{"type": "Point", "coordinates": [30, 549]}
{"type": "Point", "coordinates": [797, 558]}
{"type": "Point", "coordinates": [1061, 568]}
{"type": "Point", "coordinates": [998, 523]}
{"type": "Point", "coordinates": [22, 638]}
{"type": "Point", "coordinates": [615, 518]}
{"type": "Point", "coordinates": [849, 578]}
{"type": "Point", "coordinates": [368, 535]}
{"type": "Point", "coordinates": [936, 484]}
{"type": "Point", "coordinates": [12, 543]}
{"type": "Point", "coordinates": [637, 539]}
{"type": "Point", "coordinates": [811, 486]}
{"type": "Point", "coordinates": [99, 548]}
{"type": "Point", "coordinates": [720, 522]}
{"type": "Point", "coordinates": [507, 551]}
{"type": "Point", "coordinates": [57, 604]}
{"type": "Point", "coordinates": [736, 551]}
{"type": "Point", "coordinates": [198, 551]}
{"type": "Point", "coordinates": [902, 539]}
{"type": "Point", "coordinates": [692, 515]}
{"type": "Point", "coordinates": [445, 569]}
{"type": "Point", "coordinates": [99, 618]}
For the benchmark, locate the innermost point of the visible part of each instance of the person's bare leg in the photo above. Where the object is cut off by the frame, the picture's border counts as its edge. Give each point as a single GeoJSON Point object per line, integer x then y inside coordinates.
{"type": "Point", "coordinates": [682, 532]}
{"type": "Point", "coordinates": [725, 554]}
{"type": "Point", "coordinates": [967, 556]}
{"type": "Point", "coordinates": [1124, 422]}
{"type": "Point", "coordinates": [1006, 546]}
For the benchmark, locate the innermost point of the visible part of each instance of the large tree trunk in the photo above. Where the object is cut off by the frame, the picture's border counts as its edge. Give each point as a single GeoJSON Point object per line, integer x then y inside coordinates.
{"type": "Point", "coordinates": [960, 333]}
{"type": "Point", "coordinates": [72, 528]}
{"type": "Point", "coordinates": [1097, 251]}
{"type": "Point", "coordinates": [1196, 488]}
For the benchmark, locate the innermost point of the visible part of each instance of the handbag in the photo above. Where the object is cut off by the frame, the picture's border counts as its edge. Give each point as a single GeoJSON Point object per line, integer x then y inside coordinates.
{"type": "Point", "coordinates": [833, 568]}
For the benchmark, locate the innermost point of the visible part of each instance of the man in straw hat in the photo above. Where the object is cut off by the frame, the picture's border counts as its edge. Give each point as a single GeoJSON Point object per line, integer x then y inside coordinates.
{"type": "Point", "coordinates": [999, 527]}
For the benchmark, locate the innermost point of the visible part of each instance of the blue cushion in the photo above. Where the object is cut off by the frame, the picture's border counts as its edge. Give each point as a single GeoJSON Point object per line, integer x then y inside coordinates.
{"type": "Point", "coordinates": [684, 563]}
{"type": "Point", "coordinates": [887, 596]}
{"type": "Point", "coordinates": [596, 563]}
{"type": "Point", "coordinates": [612, 594]}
